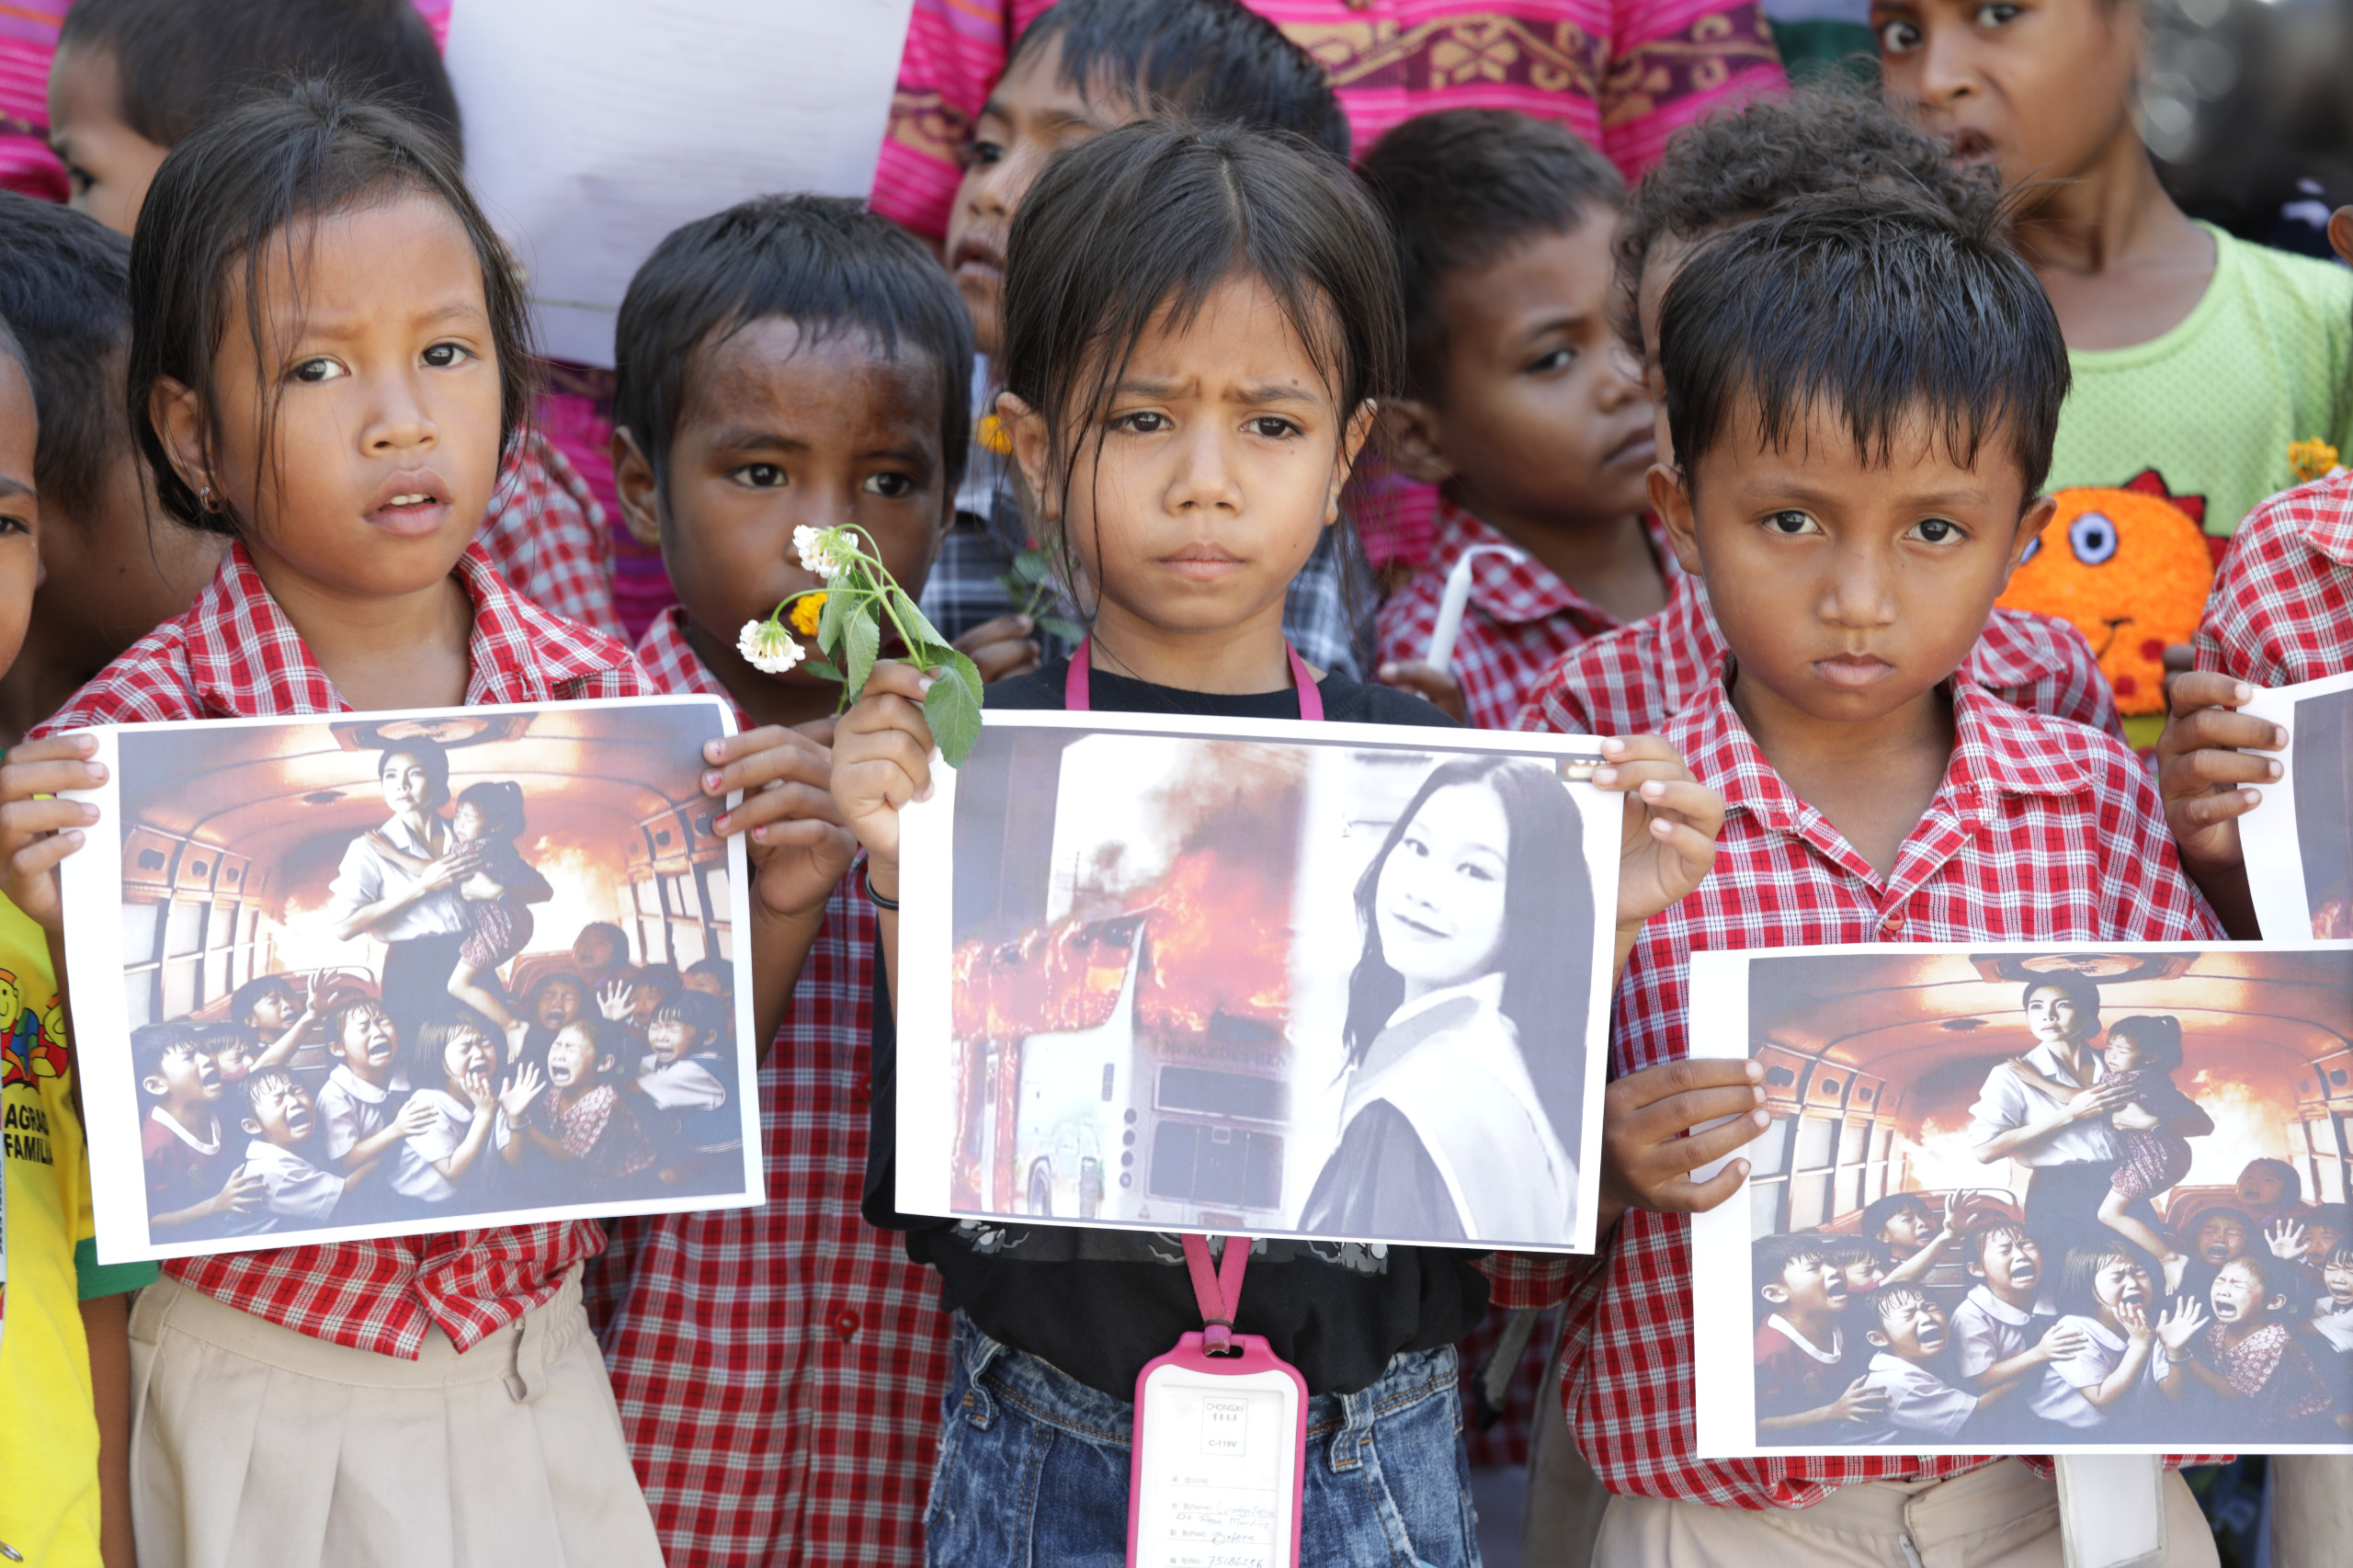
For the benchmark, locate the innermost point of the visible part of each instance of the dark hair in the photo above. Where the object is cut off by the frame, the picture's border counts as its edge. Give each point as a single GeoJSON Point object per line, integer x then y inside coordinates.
{"type": "Point", "coordinates": [1213, 62]}
{"type": "Point", "coordinates": [500, 802]}
{"type": "Point", "coordinates": [561, 977]}
{"type": "Point", "coordinates": [231, 197]}
{"type": "Point", "coordinates": [212, 1036]}
{"type": "Point", "coordinates": [2080, 989]}
{"type": "Point", "coordinates": [1548, 911]}
{"type": "Point", "coordinates": [427, 1058]}
{"type": "Point", "coordinates": [1461, 187]}
{"type": "Point", "coordinates": [267, 1077]}
{"type": "Point", "coordinates": [2240, 1217]}
{"type": "Point", "coordinates": [427, 754]}
{"type": "Point", "coordinates": [1152, 219]}
{"type": "Point", "coordinates": [1875, 1218]}
{"type": "Point", "coordinates": [1772, 1256]}
{"type": "Point", "coordinates": [720, 969]}
{"type": "Point", "coordinates": [2157, 1034]}
{"type": "Point", "coordinates": [243, 999]}
{"type": "Point", "coordinates": [179, 62]}
{"type": "Point", "coordinates": [1886, 306]}
{"type": "Point", "coordinates": [2286, 1173]}
{"type": "Point", "coordinates": [608, 1038]}
{"type": "Point", "coordinates": [151, 1043]}
{"type": "Point", "coordinates": [1887, 1298]}
{"type": "Point", "coordinates": [342, 1016]}
{"type": "Point", "coordinates": [826, 264]}
{"type": "Point", "coordinates": [2341, 1254]}
{"type": "Point", "coordinates": [1822, 138]}
{"type": "Point", "coordinates": [605, 928]}
{"type": "Point", "coordinates": [2081, 1270]}
{"type": "Point", "coordinates": [699, 1011]}
{"type": "Point", "coordinates": [663, 977]}
{"type": "Point", "coordinates": [15, 351]}
{"type": "Point", "coordinates": [1846, 1250]}
{"type": "Point", "coordinates": [2336, 1214]}
{"type": "Point", "coordinates": [65, 288]}
{"type": "Point", "coordinates": [1972, 1247]}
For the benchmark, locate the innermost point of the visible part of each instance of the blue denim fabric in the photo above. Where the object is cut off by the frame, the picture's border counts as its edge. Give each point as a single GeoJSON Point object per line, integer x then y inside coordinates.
{"type": "Point", "coordinates": [1033, 1468]}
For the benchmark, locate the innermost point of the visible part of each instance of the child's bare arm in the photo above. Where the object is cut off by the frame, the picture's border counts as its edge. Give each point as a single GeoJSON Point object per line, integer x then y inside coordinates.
{"type": "Point", "coordinates": [1859, 1402]}
{"type": "Point", "coordinates": [2059, 1342]}
{"type": "Point", "coordinates": [414, 1119]}
{"type": "Point", "coordinates": [244, 1190]}
{"type": "Point", "coordinates": [882, 760]}
{"type": "Point", "coordinates": [106, 1325]}
{"type": "Point", "coordinates": [386, 849]}
{"type": "Point", "coordinates": [799, 849]}
{"type": "Point", "coordinates": [2049, 1088]}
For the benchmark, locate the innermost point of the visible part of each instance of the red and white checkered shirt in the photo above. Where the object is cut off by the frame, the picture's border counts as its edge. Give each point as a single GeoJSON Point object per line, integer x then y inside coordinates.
{"type": "Point", "coordinates": [2282, 607]}
{"type": "Point", "coordinates": [1631, 682]}
{"type": "Point", "coordinates": [2042, 831]}
{"type": "Point", "coordinates": [1520, 619]}
{"type": "Point", "coordinates": [545, 534]}
{"type": "Point", "coordinates": [780, 1369]}
{"type": "Point", "coordinates": [234, 654]}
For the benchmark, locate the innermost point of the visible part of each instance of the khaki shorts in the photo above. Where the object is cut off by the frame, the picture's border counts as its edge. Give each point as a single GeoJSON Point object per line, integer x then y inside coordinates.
{"type": "Point", "coordinates": [2003, 1516]}
{"type": "Point", "coordinates": [256, 1446]}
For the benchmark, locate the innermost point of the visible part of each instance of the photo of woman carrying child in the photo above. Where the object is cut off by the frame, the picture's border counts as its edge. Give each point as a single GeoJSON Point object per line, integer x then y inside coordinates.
{"type": "Point", "coordinates": [2124, 1234]}
{"type": "Point", "coordinates": [382, 1021]}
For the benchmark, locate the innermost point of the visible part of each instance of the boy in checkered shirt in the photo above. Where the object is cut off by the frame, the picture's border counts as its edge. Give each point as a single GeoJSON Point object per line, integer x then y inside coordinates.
{"type": "Point", "coordinates": [788, 361]}
{"type": "Point", "coordinates": [1523, 408]}
{"type": "Point", "coordinates": [2278, 616]}
{"type": "Point", "coordinates": [1723, 172]}
{"type": "Point", "coordinates": [1861, 390]}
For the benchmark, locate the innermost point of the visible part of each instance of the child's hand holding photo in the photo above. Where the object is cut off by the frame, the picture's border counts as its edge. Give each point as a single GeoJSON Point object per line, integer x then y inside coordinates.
{"type": "Point", "coordinates": [37, 827]}
{"type": "Point", "coordinates": [2208, 759]}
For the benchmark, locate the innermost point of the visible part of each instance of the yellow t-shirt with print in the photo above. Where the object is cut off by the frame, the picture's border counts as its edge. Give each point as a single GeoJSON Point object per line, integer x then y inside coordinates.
{"type": "Point", "coordinates": [49, 1443]}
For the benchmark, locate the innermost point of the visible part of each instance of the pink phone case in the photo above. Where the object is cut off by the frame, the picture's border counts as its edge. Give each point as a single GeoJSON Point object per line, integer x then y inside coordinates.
{"type": "Point", "coordinates": [1256, 1355]}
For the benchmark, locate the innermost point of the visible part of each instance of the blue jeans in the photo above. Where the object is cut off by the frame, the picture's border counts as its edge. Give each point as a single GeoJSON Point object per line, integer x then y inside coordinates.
{"type": "Point", "coordinates": [1033, 1468]}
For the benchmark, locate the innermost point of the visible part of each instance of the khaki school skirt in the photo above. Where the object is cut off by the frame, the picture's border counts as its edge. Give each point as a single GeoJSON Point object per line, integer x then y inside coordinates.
{"type": "Point", "coordinates": [256, 1446]}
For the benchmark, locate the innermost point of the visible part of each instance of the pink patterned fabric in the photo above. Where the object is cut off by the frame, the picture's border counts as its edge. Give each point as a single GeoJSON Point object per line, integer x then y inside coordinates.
{"type": "Point", "coordinates": [1625, 75]}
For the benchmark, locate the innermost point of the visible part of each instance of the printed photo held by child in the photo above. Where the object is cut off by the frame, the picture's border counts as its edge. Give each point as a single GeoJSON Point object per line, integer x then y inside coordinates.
{"type": "Point", "coordinates": [582, 1124]}
{"type": "Point", "coordinates": [495, 888]}
{"type": "Point", "coordinates": [688, 1078]}
{"type": "Point", "coordinates": [1199, 330]}
{"type": "Point", "coordinates": [2246, 1362]}
{"type": "Point", "coordinates": [470, 1110]}
{"type": "Point", "coordinates": [1911, 1367]}
{"type": "Point", "coordinates": [2106, 1297]}
{"type": "Point", "coordinates": [1808, 1389]}
{"type": "Point", "coordinates": [195, 1184]}
{"type": "Point", "coordinates": [287, 1152]}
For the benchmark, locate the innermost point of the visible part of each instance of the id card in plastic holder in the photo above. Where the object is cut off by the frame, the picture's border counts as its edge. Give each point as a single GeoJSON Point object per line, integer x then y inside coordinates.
{"type": "Point", "coordinates": [1219, 1463]}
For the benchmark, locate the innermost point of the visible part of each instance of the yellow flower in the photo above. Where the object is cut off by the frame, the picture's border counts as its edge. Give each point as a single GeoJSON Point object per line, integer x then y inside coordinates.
{"type": "Point", "coordinates": [991, 434]}
{"type": "Point", "coordinates": [805, 611]}
{"type": "Point", "coordinates": [2310, 460]}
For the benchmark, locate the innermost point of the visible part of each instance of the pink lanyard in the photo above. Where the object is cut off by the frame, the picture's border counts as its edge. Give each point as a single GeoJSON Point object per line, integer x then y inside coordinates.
{"type": "Point", "coordinates": [1219, 1289]}
{"type": "Point", "coordinates": [1311, 701]}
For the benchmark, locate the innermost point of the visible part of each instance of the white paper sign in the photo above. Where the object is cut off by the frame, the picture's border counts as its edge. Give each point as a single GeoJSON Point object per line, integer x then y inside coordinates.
{"type": "Point", "coordinates": [596, 126]}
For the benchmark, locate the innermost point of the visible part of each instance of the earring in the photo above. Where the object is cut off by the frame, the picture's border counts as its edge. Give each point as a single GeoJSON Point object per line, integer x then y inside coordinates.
{"type": "Point", "coordinates": [206, 499]}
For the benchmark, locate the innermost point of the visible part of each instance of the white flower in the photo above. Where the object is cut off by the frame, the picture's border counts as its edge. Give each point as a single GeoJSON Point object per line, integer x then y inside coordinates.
{"type": "Point", "coordinates": [768, 648]}
{"type": "Point", "coordinates": [825, 552]}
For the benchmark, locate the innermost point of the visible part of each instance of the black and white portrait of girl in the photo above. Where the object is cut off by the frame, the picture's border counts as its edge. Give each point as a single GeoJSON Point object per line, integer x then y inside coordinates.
{"type": "Point", "coordinates": [1466, 1017]}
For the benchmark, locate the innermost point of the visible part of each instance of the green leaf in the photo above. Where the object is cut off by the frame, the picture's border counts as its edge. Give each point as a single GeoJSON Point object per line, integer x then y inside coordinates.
{"type": "Point", "coordinates": [1031, 567]}
{"type": "Point", "coordinates": [1068, 630]}
{"type": "Point", "coordinates": [829, 620]}
{"type": "Point", "coordinates": [864, 639]}
{"type": "Point", "coordinates": [952, 707]}
{"type": "Point", "coordinates": [820, 669]}
{"type": "Point", "coordinates": [911, 618]}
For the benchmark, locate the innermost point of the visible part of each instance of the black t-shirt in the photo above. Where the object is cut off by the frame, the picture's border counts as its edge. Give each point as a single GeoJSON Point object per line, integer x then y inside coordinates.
{"type": "Point", "coordinates": [1100, 1304]}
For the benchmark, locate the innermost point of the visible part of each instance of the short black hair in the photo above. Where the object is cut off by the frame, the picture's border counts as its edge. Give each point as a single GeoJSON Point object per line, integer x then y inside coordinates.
{"type": "Point", "coordinates": [2081, 1270]}
{"type": "Point", "coordinates": [1882, 1210]}
{"type": "Point", "coordinates": [1886, 307]}
{"type": "Point", "coordinates": [243, 999]}
{"type": "Point", "coordinates": [65, 288]}
{"type": "Point", "coordinates": [699, 1011]}
{"type": "Point", "coordinates": [1142, 224]}
{"type": "Point", "coordinates": [1972, 1245]}
{"type": "Point", "coordinates": [1771, 1257]}
{"type": "Point", "coordinates": [1463, 187]}
{"type": "Point", "coordinates": [2157, 1034]}
{"type": "Point", "coordinates": [1823, 138]}
{"type": "Point", "coordinates": [177, 62]}
{"type": "Point", "coordinates": [240, 181]}
{"type": "Point", "coordinates": [1215, 62]}
{"type": "Point", "coordinates": [823, 261]}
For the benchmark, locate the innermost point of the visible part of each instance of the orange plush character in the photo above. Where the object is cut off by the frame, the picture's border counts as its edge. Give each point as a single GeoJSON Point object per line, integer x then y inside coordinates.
{"type": "Point", "coordinates": [2129, 568]}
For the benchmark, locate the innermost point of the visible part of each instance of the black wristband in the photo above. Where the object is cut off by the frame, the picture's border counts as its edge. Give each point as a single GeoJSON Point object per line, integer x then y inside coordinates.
{"type": "Point", "coordinates": [880, 902]}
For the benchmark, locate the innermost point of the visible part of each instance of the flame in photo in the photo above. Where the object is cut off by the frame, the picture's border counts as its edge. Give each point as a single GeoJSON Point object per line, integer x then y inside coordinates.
{"type": "Point", "coordinates": [302, 939]}
{"type": "Point", "coordinates": [2248, 1125]}
{"type": "Point", "coordinates": [587, 892]}
{"type": "Point", "coordinates": [1943, 1161]}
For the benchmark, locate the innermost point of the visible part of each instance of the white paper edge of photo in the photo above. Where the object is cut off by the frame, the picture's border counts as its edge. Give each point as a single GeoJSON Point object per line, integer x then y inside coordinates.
{"type": "Point", "coordinates": [1721, 1251]}
{"type": "Point", "coordinates": [1723, 1329]}
{"type": "Point", "coordinates": [926, 888]}
{"type": "Point", "coordinates": [91, 881]}
{"type": "Point", "coordinates": [2268, 836]}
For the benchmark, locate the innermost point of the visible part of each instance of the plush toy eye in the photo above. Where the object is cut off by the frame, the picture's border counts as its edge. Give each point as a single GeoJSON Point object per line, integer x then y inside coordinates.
{"type": "Point", "coordinates": [2092, 539]}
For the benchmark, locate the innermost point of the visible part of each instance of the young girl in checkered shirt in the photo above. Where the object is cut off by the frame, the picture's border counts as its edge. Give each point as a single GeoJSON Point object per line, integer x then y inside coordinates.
{"type": "Point", "coordinates": [1198, 329]}
{"type": "Point", "coordinates": [329, 356]}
